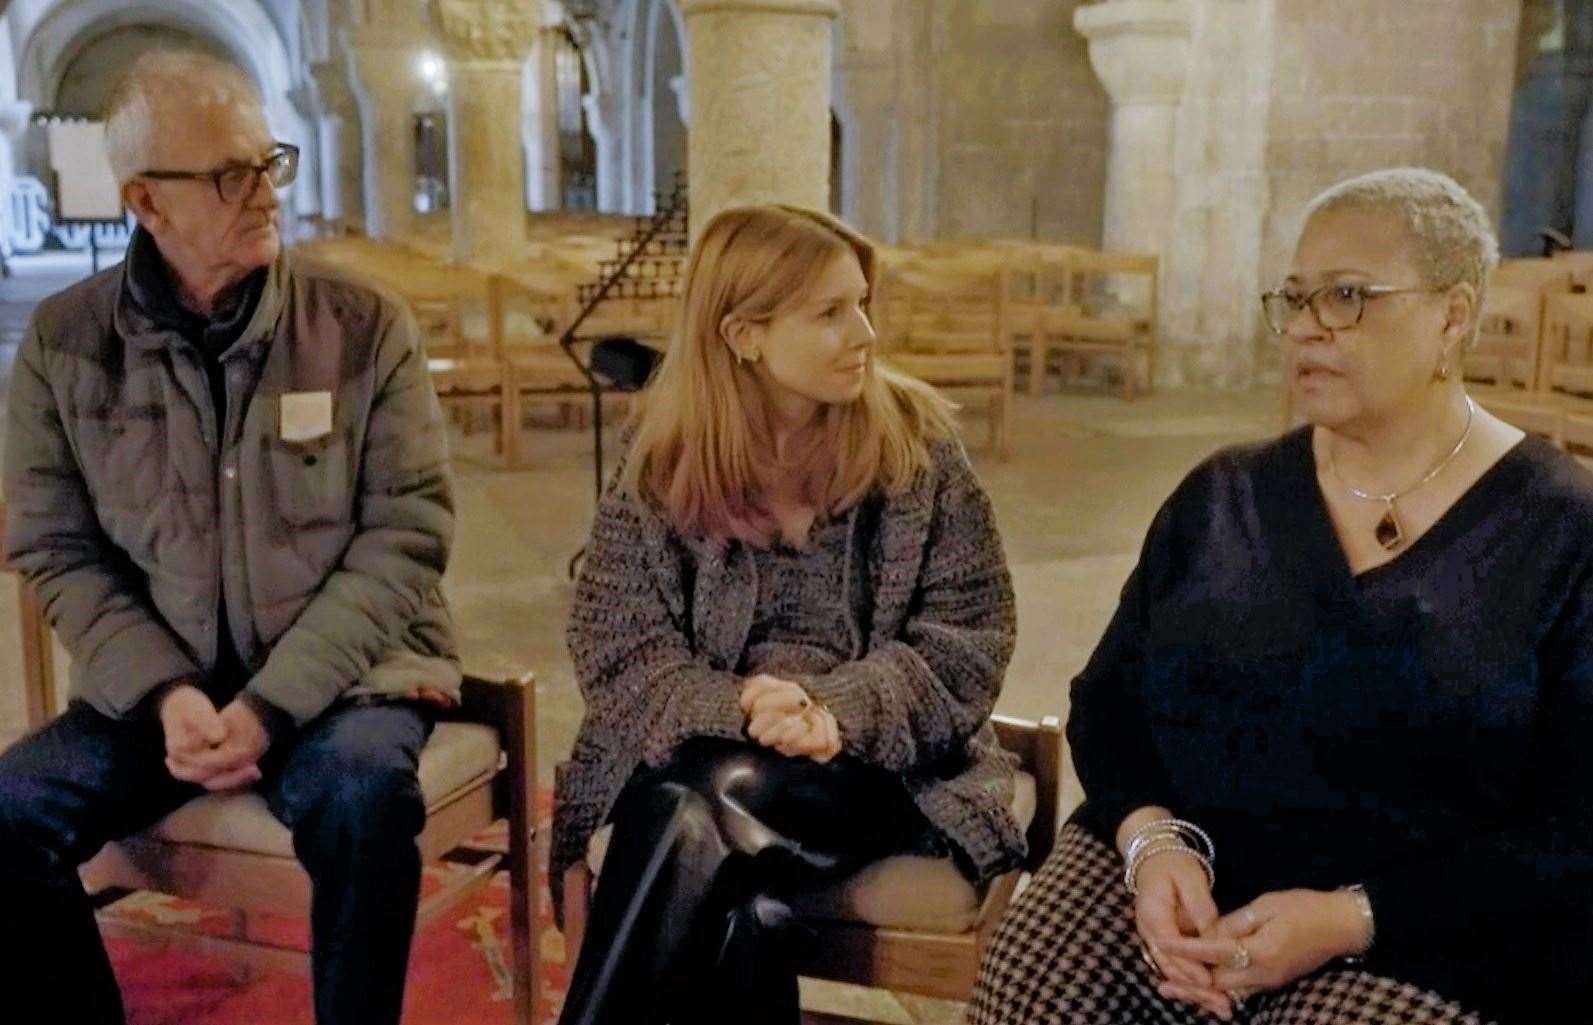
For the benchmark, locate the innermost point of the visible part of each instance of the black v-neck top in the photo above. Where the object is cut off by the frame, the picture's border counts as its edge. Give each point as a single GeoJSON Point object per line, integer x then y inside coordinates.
{"type": "Point", "coordinates": [1424, 728]}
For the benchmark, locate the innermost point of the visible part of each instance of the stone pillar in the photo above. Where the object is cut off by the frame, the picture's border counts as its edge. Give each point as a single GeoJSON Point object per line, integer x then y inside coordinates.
{"type": "Point", "coordinates": [14, 117]}
{"type": "Point", "coordinates": [543, 182]}
{"type": "Point", "coordinates": [603, 114]}
{"type": "Point", "coordinates": [486, 42]}
{"type": "Point", "coordinates": [1140, 50]}
{"type": "Point", "coordinates": [336, 109]}
{"type": "Point", "coordinates": [759, 86]}
{"type": "Point", "coordinates": [386, 82]}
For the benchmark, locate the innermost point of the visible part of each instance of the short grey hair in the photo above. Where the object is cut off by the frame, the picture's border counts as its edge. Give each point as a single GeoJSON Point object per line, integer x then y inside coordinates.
{"type": "Point", "coordinates": [155, 80]}
{"type": "Point", "coordinates": [1452, 241]}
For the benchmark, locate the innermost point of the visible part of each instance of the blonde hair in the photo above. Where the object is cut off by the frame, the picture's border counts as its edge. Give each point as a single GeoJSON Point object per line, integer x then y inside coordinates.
{"type": "Point", "coordinates": [703, 451]}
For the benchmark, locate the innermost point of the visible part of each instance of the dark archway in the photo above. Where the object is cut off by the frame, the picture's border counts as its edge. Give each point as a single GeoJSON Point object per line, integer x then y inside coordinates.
{"type": "Point", "coordinates": [88, 76]}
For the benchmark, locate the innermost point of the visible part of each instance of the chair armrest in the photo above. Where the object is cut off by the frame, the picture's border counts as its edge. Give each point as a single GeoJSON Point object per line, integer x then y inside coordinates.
{"type": "Point", "coordinates": [509, 706]}
{"type": "Point", "coordinates": [1038, 746]}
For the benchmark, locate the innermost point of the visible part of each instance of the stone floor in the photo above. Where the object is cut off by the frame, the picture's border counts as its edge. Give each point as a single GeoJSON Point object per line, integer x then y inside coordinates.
{"type": "Point", "coordinates": [1087, 474]}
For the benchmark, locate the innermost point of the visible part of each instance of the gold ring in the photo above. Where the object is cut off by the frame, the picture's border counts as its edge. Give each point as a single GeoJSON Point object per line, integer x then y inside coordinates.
{"type": "Point", "coordinates": [1241, 957]}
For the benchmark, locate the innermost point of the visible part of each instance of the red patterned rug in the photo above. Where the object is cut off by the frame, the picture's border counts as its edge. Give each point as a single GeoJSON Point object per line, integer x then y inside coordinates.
{"type": "Point", "coordinates": [458, 972]}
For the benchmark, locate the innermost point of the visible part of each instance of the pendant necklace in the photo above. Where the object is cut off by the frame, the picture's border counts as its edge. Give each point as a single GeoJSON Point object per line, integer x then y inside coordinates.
{"type": "Point", "coordinates": [1389, 532]}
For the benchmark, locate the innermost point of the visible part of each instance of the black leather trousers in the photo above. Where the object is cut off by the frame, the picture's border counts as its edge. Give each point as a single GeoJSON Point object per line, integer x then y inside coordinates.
{"type": "Point", "coordinates": [689, 924]}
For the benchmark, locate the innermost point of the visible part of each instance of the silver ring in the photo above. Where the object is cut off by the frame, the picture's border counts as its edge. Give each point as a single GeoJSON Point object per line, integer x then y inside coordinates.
{"type": "Point", "coordinates": [1150, 961]}
{"type": "Point", "coordinates": [1241, 957]}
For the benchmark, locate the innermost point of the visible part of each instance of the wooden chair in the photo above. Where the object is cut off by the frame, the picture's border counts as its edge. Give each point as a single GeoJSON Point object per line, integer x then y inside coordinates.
{"type": "Point", "coordinates": [453, 305]}
{"type": "Point", "coordinates": [1115, 299]}
{"type": "Point", "coordinates": [526, 322]}
{"type": "Point", "coordinates": [943, 322]}
{"type": "Point", "coordinates": [227, 850]}
{"type": "Point", "coordinates": [1533, 412]}
{"type": "Point", "coordinates": [941, 964]}
{"type": "Point", "coordinates": [1536, 273]}
{"type": "Point", "coordinates": [1509, 341]}
{"type": "Point", "coordinates": [38, 653]}
{"type": "Point", "coordinates": [1039, 298]}
{"type": "Point", "coordinates": [1567, 360]}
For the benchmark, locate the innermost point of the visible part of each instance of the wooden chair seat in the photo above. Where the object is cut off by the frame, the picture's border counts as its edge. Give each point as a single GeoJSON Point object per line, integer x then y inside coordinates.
{"type": "Point", "coordinates": [1082, 327]}
{"type": "Point", "coordinates": [902, 924]}
{"type": "Point", "coordinates": [952, 370]}
{"type": "Point", "coordinates": [457, 759]}
{"type": "Point", "coordinates": [545, 370]}
{"type": "Point", "coordinates": [1535, 412]}
{"type": "Point", "coordinates": [459, 377]}
{"type": "Point", "coordinates": [1575, 380]}
{"type": "Point", "coordinates": [904, 891]}
{"type": "Point", "coordinates": [478, 766]}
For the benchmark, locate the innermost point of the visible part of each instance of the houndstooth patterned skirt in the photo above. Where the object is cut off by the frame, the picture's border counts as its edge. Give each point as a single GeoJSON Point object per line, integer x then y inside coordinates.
{"type": "Point", "coordinates": [1067, 953]}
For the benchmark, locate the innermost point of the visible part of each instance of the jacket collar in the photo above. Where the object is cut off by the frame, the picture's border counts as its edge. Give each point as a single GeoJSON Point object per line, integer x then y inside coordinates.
{"type": "Point", "coordinates": [148, 315]}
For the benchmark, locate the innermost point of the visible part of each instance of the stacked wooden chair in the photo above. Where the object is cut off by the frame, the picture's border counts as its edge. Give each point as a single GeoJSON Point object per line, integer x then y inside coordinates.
{"type": "Point", "coordinates": [943, 321]}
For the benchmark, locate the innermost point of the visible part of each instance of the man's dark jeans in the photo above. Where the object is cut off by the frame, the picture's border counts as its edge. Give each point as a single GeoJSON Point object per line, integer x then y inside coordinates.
{"type": "Point", "coordinates": [346, 786]}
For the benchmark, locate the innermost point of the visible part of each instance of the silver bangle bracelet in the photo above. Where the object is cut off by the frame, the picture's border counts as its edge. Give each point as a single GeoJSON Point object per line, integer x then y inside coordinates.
{"type": "Point", "coordinates": [1144, 854]}
{"type": "Point", "coordinates": [1175, 829]}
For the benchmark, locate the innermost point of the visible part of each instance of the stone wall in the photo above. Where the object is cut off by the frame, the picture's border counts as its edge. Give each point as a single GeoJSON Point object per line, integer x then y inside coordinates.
{"type": "Point", "coordinates": [1363, 84]}
{"type": "Point", "coordinates": [1022, 139]}
{"type": "Point", "coordinates": [965, 118]}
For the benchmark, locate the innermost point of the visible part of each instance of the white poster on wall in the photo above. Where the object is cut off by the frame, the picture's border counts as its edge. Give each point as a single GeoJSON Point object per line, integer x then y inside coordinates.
{"type": "Point", "coordinates": [85, 188]}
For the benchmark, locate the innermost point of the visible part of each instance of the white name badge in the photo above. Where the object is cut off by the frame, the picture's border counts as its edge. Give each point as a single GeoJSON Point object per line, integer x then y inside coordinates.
{"type": "Point", "coordinates": [306, 415]}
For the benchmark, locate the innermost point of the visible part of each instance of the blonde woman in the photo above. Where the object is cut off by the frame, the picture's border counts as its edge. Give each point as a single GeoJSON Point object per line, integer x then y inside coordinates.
{"type": "Point", "coordinates": [792, 624]}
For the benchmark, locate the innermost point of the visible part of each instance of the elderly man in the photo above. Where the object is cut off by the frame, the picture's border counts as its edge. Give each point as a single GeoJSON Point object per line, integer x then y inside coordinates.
{"type": "Point", "coordinates": [226, 474]}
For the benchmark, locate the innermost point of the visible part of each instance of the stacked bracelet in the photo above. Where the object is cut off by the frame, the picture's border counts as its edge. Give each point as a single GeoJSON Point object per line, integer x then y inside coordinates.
{"type": "Point", "coordinates": [1165, 836]}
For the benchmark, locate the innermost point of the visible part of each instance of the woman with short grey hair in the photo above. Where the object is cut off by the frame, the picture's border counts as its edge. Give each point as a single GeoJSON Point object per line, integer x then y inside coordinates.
{"type": "Point", "coordinates": [1334, 743]}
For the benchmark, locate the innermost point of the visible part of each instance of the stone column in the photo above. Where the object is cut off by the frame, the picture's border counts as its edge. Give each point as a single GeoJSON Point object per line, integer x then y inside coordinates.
{"type": "Point", "coordinates": [1140, 50]}
{"type": "Point", "coordinates": [339, 165]}
{"type": "Point", "coordinates": [759, 84]}
{"type": "Point", "coordinates": [386, 82]}
{"type": "Point", "coordinates": [543, 183]}
{"type": "Point", "coordinates": [14, 117]}
{"type": "Point", "coordinates": [486, 42]}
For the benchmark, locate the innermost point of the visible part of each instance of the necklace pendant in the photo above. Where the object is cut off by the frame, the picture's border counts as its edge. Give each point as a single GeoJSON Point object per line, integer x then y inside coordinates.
{"type": "Point", "coordinates": [1389, 533]}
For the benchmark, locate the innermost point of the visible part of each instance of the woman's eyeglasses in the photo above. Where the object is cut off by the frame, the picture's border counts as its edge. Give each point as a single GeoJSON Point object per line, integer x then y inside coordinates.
{"type": "Point", "coordinates": [1336, 307]}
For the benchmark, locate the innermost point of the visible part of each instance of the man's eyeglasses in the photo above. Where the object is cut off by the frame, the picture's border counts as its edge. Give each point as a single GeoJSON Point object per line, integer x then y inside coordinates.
{"type": "Point", "coordinates": [235, 181]}
{"type": "Point", "coordinates": [1336, 307]}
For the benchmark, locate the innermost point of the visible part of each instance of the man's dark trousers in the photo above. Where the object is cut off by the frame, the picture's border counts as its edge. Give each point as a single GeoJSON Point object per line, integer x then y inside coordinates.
{"type": "Point", "coordinates": [345, 785]}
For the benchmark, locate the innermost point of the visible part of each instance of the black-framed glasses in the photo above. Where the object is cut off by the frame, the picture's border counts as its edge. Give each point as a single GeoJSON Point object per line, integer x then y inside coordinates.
{"type": "Point", "coordinates": [234, 181]}
{"type": "Point", "coordinates": [1336, 307]}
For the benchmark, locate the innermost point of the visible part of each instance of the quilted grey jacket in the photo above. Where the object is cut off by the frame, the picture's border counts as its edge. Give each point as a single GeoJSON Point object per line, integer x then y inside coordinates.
{"type": "Point", "coordinates": [660, 622]}
{"type": "Point", "coordinates": [128, 515]}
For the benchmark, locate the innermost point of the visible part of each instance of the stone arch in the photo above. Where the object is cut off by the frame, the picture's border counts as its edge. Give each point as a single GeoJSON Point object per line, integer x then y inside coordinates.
{"type": "Point", "coordinates": [241, 28]}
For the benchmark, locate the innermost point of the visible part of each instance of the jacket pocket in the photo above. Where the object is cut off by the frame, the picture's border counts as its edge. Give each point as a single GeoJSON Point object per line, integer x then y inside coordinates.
{"type": "Point", "coordinates": [313, 481]}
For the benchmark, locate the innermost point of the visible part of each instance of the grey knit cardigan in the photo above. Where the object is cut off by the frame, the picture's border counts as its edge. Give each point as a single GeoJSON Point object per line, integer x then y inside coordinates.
{"type": "Point", "coordinates": [660, 622]}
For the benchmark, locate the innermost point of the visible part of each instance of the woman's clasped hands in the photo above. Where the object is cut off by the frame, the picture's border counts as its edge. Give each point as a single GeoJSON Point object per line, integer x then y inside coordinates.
{"type": "Point", "coordinates": [1216, 963]}
{"type": "Point", "coordinates": [781, 715]}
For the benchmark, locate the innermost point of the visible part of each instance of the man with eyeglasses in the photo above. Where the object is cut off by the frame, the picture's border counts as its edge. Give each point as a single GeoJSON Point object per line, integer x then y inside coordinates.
{"type": "Point", "coordinates": [226, 476]}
